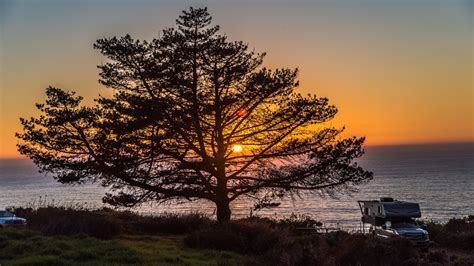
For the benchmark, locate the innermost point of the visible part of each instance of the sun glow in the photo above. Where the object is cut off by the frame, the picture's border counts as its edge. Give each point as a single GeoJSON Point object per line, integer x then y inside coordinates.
{"type": "Point", "coordinates": [237, 148]}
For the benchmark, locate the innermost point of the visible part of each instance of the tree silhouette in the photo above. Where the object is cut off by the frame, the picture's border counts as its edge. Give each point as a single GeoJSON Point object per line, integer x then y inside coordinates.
{"type": "Point", "coordinates": [193, 116]}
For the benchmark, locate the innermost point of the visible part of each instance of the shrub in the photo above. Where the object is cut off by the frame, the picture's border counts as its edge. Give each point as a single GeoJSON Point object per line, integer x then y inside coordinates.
{"type": "Point", "coordinates": [67, 221]}
{"type": "Point", "coordinates": [294, 221]}
{"type": "Point", "coordinates": [106, 223]}
{"type": "Point", "coordinates": [340, 248]}
{"type": "Point", "coordinates": [248, 236]}
{"type": "Point", "coordinates": [275, 245]}
{"type": "Point", "coordinates": [457, 233]}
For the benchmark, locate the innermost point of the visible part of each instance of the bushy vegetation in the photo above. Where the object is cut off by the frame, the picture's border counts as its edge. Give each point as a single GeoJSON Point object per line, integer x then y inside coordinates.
{"type": "Point", "coordinates": [107, 223]}
{"type": "Point", "coordinates": [64, 236]}
{"type": "Point", "coordinates": [456, 233]}
{"type": "Point", "coordinates": [254, 236]}
{"type": "Point", "coordinates": [272, 244]}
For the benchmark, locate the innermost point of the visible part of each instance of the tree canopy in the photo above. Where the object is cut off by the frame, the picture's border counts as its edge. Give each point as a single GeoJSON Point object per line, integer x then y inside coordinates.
{"type": "Point", "coordinates": [193, 116]}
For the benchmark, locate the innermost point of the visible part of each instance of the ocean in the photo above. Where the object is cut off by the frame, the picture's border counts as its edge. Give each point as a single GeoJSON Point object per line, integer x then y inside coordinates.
{"type": "Point", "coordinates": [438, 176]}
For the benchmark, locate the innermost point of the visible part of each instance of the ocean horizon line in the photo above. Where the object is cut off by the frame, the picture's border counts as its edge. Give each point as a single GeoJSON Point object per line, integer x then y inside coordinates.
{"type": "Point", "coordinates": [20, 157]}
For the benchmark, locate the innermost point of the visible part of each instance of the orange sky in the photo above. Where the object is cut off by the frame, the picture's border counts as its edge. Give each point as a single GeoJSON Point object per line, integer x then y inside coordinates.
{"type": "Point", "coordinates": [399, 71]}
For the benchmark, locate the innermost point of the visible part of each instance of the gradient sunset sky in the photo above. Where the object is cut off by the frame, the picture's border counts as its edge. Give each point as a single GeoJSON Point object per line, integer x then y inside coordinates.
{"type": "Point", "coordinates": [399, 71]}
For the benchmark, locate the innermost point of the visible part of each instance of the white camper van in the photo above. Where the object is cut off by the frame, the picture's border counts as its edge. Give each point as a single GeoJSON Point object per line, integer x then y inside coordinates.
{"type": "Point", "coordinates": [392, 218]}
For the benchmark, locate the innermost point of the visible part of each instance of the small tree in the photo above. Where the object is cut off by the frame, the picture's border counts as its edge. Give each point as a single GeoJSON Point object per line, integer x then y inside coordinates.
{"type": "Point", "coordinates": [193, 116]}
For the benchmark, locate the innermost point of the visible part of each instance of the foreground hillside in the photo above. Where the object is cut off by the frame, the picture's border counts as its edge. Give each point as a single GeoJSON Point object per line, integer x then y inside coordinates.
{"type": "Point", "coordinates": [62, 236]}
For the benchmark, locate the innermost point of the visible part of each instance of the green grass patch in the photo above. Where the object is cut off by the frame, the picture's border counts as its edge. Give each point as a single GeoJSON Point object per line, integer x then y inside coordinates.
{"type": "Point", "coordinates": [24, 247]}
{"type": "Point", "coordinates": [170, 250]}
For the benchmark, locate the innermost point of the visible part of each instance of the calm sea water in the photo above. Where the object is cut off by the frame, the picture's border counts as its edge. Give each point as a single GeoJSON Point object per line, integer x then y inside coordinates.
{"type": "Point", "coordinates": [440, 177]}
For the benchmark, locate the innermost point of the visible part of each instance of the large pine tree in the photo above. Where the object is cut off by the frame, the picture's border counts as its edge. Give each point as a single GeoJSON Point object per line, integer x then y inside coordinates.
{"type": "Point", "coordinates": [193, 116]}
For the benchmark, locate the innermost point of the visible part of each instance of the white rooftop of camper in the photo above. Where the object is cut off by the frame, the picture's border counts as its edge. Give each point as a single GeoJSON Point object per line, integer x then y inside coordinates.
{"type": "Point", "coordinates": [388, 208]}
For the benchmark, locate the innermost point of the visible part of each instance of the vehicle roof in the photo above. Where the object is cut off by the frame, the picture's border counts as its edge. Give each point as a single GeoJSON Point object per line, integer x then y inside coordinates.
{"type": "Point", "coordinates": [387, 202]}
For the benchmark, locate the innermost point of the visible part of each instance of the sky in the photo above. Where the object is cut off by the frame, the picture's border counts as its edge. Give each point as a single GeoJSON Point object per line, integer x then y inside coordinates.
{"type": "Point", "coordinates": [399, 71]}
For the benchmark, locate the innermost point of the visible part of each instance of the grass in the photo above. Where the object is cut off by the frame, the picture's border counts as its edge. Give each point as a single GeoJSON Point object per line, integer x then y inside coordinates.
{"type": "Point", "coordinates": [24, 247]}
{"type": "Point", "coordinates": [170, 250]}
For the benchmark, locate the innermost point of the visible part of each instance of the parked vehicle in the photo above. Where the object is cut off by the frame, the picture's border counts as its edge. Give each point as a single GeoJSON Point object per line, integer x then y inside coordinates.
{"type": "Point", "coordinates": [392, 218]}
{"type": "Point", "coordinates": [8, 219]}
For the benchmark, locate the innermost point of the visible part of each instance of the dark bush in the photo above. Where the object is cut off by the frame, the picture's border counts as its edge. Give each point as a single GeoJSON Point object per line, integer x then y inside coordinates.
{"type": "Point", "coordinates": [340, 248]}
{"type": "Point", "coordinates": [107, 223]}
{"type": "Point", "coordinates": [457, 233]}
{"type": "Point", "coordinates": [437, 256]}
{"type": "Point", "coordinates": [248, 236]}
{"type": "Point", "coordinates": [64, 221]}
{"type": "Point", "coordinates": [295, 221]}
{"type": "Point", "coordinates": [275, 245]}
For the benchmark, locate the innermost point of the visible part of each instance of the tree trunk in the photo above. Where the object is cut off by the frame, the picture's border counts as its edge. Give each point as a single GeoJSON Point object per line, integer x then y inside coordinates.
{"type": "Point", "coordinates": [223, 211]}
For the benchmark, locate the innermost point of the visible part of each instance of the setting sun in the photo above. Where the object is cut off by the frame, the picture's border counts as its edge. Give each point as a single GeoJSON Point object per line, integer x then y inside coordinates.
{"type": "Point", "coordinates": [237, 148]}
